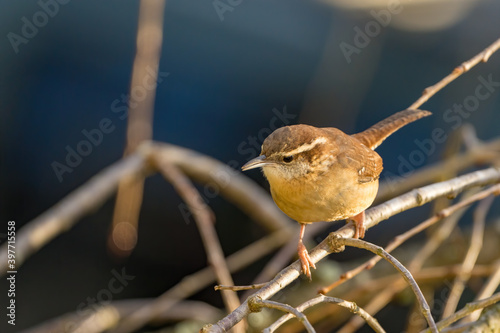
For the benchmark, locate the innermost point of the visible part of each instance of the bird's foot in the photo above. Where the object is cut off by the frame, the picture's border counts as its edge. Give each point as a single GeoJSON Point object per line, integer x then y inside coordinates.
{"type": "Point", "coordinates": [359, 223]}
{"type": "Point", "coordinates": [305, 260]}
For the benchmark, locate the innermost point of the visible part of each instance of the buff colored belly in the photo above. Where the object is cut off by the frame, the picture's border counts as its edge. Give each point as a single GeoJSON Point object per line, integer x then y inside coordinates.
{"type": "Point", "coordinates": [322, 200]}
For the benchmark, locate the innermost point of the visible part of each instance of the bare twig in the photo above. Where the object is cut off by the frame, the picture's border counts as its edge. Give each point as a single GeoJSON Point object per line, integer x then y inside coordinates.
{"type": "Point", "coordinates": [466, 310]}
{"type": "Point", "coordinates": [424, 307]}
{"type": "Point", "coordinates": [436, 238]}
{"type": "Point", "coordinates": [400, 239]}
{"type": "Point", "coordinates": [374, 215]}
{"type": "Point", "coordinates": [118, 309]}
{"type": "Point", "coordinates": [488, 322]}
{"type": "Point", "coordinates": [233, 185]}
{"type": "Point", "coordinates": [238, 288]}
{"type": "Point", "coordinates": [483, 154]}
{"type": "Point", "coordinates": [204, 220]}
{"type": "Point", "coordinates": [476, 243]}
{"type": "Point", "coordinates": [256, 304]}
{"type": "Point", "coordinates": [464, 67]}
{"type": "Point", "coordinates": [123, 235]}
{"type": "Point", "coordinates": [351, 306]}
{"type": "Point", "coordinates": [193, 283]}
{"type": "Point", "coordinates": [62, 216]}
{"type": "Point", "coordinates": [486, 291]}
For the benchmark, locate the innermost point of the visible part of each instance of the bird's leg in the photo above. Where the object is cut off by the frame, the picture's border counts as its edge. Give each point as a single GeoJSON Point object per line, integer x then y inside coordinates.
{"type": "Point", "coordinates": [305, 259]}
{"type": "Point", "coordinates": [359, 223]}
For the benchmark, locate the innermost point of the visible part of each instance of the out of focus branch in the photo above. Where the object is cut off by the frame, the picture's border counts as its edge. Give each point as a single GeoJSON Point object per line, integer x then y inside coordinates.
{"type": "Point", "coordinates": [204, 218]}
{"type": "Point", "coordinates": [106, 316]}
{"type": "Point", "coordinates": [62, 216]}
{"type": "Point", "coordinates": [476, 243]}
{"type": "Point", "coordinates": [123, 234]}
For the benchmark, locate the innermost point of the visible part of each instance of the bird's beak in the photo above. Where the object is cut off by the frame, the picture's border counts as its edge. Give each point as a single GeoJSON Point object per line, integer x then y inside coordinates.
{"type": "Point", "coordinates": [255, 163]}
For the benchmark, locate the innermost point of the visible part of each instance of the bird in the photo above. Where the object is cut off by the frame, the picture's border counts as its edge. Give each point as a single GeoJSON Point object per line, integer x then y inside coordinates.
{"type": "Point", "coordinates": [322, 174]}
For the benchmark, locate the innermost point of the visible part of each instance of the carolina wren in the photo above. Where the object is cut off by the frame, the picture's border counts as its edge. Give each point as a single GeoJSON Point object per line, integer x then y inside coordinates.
{"type": "Point", "coordinates": [322, 174]}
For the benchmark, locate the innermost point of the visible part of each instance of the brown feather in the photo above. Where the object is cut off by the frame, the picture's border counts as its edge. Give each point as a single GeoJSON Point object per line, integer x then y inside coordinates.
{"type": "Point", "coordinates": [375, 135]}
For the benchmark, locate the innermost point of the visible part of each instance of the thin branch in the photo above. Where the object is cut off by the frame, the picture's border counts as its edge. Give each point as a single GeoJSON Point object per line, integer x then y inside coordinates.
{"type": "Point", "coordinates": [476, 243]}
{"type": "Point", "coordinates": [232, 184]}
{"type": "Point", "coordinates": [107, 315]}
{"type": "Point", "coordinates": [486, 291]}
{"type": "Point", "coordinates": [424, 307]}
{"type": "Point", "coordinates": [64, 215]}
{"type": "Point", "coordinates": [484, 154]}
{"type": "Point", "coordinates": [193, 283]}
{"type": "Point", "coordinates": [464, 67]}
{"type": "Point", "coordinates": [239, 288]}
{"type": "Point", "coordinates": [466, 310]}
{"type": "Point", "coordinates": [373, 216]}
{"type": "Point", "coordinates": [123, 234]}
{"type": "Point", "coordinates": [400, 239]}
{"type": "Point", "coordinates": [436, 238]}
{"type": "Point", "coordinates": [351, 306]}
{"type": "Point", "coordinates": [204, 220]}
{"type": "Point", "coordinates": [256, 304]}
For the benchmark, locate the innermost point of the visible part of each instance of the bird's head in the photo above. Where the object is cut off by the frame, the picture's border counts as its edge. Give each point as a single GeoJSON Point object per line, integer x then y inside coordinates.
{"type": "Point", "coordinates": [290, 152]}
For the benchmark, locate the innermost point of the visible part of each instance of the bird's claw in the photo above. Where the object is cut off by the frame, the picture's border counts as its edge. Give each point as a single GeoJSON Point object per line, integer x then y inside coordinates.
{"type": "Point", "coordinates": [305, 260]}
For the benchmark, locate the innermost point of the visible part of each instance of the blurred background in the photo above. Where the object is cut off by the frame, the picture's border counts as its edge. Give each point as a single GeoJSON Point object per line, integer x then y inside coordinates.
{"type": "Point", "coordinates": [231, 70]}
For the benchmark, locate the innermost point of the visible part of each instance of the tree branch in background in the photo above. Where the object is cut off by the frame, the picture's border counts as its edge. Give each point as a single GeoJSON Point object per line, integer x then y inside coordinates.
{"type": "Point", "coordinates": [205, 219]}
{"type": "Point", "coordinates": [459, 70]}
{"type": "Point", "coordinates": [123, 233]}
{"type": "Point", "coordinates": [466, 310]}
{"type": "Point", "coordinates": [64, 215]}
{"type": "Point", "coordinates": [476, 243]}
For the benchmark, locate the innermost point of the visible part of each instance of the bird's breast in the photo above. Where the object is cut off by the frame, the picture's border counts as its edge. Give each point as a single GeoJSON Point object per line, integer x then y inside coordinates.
{"type": "Point", "coordinates": [330, 196]}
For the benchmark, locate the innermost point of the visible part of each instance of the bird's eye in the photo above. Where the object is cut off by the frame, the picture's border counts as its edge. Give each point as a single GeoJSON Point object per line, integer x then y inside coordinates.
{"type": "Point", "coordinates": [287, 159]}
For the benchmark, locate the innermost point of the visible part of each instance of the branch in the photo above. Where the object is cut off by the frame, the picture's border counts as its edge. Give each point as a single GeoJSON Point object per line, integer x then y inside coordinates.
{"type": "Point", "coordinates": [63, 216]}
{"type": "Point", "coordinates": [464, 67]}
{"type": "Point", "coordinates": [256, 304]}
{"type": "Point", "coordinates": [204, 220]}
{"type": "Point", "coordinates": [351, 306]}
{"type": "Point", "coordinates": [485, 153]}
{"type": "Point", "coordinates": [466, 310]}
{"type": "Point", "coordinates": [123, 234]}
{"type": "Point", "coordinates": [476, 243]}
{"type": "Point", "coordinates": [487, 290]}
{"type": "Point", "coordinates": [400, 239]}
{"type": "Point", "coordinates": [424, 307]}
{"type": "Point", "coordinates": [186, 310]}
{"type": "Point", "coordinates": [374, 215]}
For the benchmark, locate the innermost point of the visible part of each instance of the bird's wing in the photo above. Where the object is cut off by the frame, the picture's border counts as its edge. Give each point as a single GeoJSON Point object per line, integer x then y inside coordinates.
{"type": "Point", "coordinates": [365, 161]}
{"type": "Point", "coordinates": [354, 155]}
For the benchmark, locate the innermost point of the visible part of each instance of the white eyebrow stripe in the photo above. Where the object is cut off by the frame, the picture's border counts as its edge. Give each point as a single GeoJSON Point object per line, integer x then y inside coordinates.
{"type": "Point", "coordinates": [307, 146]}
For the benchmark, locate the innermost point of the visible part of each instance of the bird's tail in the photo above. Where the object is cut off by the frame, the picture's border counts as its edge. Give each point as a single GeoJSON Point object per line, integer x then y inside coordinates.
{"type": "Point", "coordinates": [375, 135]}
